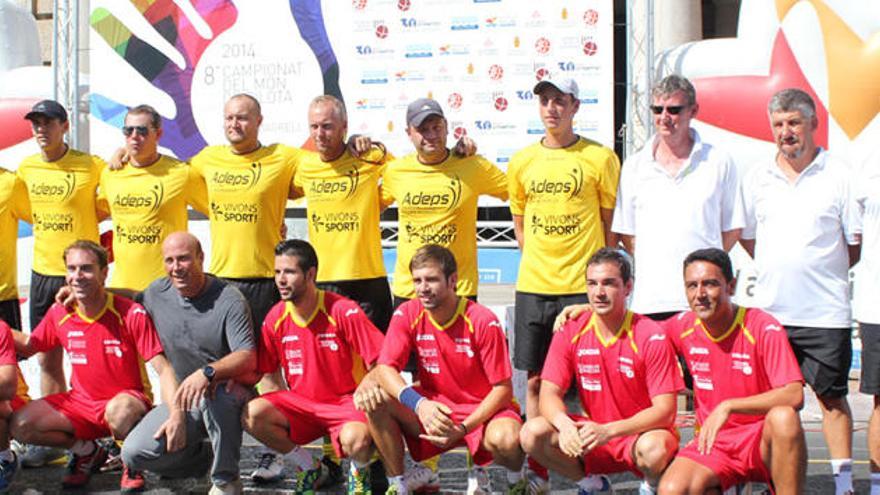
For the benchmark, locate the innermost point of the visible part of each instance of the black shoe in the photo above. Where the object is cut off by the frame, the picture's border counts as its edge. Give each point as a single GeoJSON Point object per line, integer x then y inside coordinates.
{"type": "Point", "coordinates": [331, 474]}
{"type": "Point", "coordinates": [378, 480]}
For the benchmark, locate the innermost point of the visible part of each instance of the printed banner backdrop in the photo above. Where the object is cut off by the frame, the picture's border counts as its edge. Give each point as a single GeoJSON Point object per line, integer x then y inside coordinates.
{"type": "Point", "coordinates": [478, 58]}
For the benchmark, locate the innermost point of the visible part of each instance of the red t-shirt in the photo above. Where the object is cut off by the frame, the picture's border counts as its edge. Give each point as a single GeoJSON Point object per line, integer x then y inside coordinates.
{"type": "Point", "coordinates": [106, 353]}
{"type": "Point", "coordinates": [325, 356]}
{"type": "Point", "coordinates": [752, 357]}
{"type": "Point", "coordinates": [459, 361]}
{"type": "Point", "coordinates": [7, 345]}
{"type": "Point", "coordinates": [616, 378]}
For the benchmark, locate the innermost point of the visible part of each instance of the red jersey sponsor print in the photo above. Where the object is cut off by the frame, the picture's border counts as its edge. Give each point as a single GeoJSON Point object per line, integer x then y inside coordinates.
{"type": "Point", "coordinates": [325, 356]}
{"type": "Point", "coordinates": [617, 377]}
{"type": "Point", "coordinates": [107, 352]}
{"type": "Point", "coordinates": [752, 357]}
{"type": "Point", "coordinates": [459, 361]}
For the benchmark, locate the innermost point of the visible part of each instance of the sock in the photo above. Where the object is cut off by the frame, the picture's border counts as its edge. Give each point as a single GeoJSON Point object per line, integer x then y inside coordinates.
{"type": "Point", "coordinates": [399, 483]}
{"type": "Point", "coordinates": [432, 463]}
{"type": "Point", "coordinates": [842, 471]}
{"type": "Point", "coordinates": [82, 447]}
{"type": "Point", "coordinates": [875, 483]}
{"type": "Point", "coordinates": [357, 464]}
{"type": "Point", "coordinates": [6, 455]}
{"type": "Point", "coordinates": [301, 458]}
{"type": "Point", "coordinates": [327, 450]}
{"type": "Point", "coordinates": [513, 477]}
{"type": "Point", "coordinates": [590, 482]}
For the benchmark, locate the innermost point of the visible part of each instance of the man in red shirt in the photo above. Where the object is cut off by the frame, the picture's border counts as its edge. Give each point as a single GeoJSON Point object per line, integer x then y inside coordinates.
{"type": "Point", "coordinates": [107, 338]}
{"type": "Point", "coordinates": [627, 377]}
{"type": "Point", "coordinates": [464, 392]}
{"type": "Point", "coordinates": [747, 388]}
{"type": "Point", "coordinates": [323, 343]}
{"type": "Point", "coordinates": [13, 396]}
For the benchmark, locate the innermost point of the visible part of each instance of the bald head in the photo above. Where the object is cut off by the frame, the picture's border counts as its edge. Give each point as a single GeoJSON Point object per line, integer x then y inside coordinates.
{"type": "Point", "coordinates": [242, 117]}
{"type": "Point", "coordinates": [183, 259]}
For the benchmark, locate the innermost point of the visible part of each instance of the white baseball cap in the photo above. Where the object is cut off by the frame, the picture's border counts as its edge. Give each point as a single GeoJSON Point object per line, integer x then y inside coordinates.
{"type": "Point", "coordinates": [564, 85]}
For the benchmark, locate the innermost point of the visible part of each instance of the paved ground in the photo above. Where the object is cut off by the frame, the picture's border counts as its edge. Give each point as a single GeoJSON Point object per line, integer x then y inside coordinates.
{"type": "Point", "coordinates": [452, 465]}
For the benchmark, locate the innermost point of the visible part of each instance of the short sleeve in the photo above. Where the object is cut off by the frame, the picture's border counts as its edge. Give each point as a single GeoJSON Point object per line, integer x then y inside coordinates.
{"type": "Point", "coordinates": [398, 341]}
{"type": "Point", "coordinates": [625, 208]}
{"type": "Point", "coordinates": [140, 327]}
{"type": "Point", "coordinates": [559, 364]}
{"type": "Point", "coordinates": [732, 214]}
{"type": "Point", "coordinates": [267, 354]}
{"type": "Point", "coordinates": [515, 189]}
{"type": "Point", "coordinates": [196, 190]}
{"type": "Point", "coordinates": [387, 189]}
{"type": "Point", "coordinates": [238, 324]}
{"type": "Point", "coordinates": [360, 332]}
{"type": "Point", "coordinates": [662, 371]}
{"type": "Point", "coordinates": [7, 345]}
{"type": "Point", "coordinates": [21, 204]}
{"type": "Point", "coordinates": [45, 336]}
{"type": "Point", "coordinates": [747, 193]}
{"type": "Point", "coordinates": [493, 349]}
{"type": "Point", "coordinates": [494, 181]}
{"type": "Point", "coordinates": [777, 357]}
{"type": "Point", "coordinates": [608, 180]}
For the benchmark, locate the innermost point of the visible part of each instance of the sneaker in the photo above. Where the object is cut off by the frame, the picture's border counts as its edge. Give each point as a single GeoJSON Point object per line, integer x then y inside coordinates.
{"type": "Point", "coordinates": [114, 455]}
{"type": "Point", "coordinates": [132, 481]}
{"type": "Point", "coordinates": [394, 490]}
{"type": "Point", "coordinates": [270, 468]}
{"type": "Point", "coordinates": [358, 482]}
{"type": "Point", "coordinates": [227, 488]}
{"type": "Point", "coordinates": [538, 484]}
{"type": "Point", "coordinates": [421, 479]}
{"type": "Point", "coordinates": [306, 482]}
{"type": "Point", "coordinates": [479, 482]}
{"type": "Point", "coordinates": [7, 472]}
{"type": "Point", "coordinates": [601, 484]}
{"type": "Point", "coordinates": [378, 479]}
{"type": "Point", "coordinates": [81, 467]}
{"type": "Point", "coordinates": [40, 455]}
{"type": "Point", "coordinates": [330, 473]}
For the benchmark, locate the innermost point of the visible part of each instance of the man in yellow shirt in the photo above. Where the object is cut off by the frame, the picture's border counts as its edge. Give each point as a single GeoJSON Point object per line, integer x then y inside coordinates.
{"type": "Point", "coordinates": [342, 194]}
{"type": "Point", "coordinates": [562, 194]}
{"type": "Point", "coordinates": [147, 201]}
{"type": "Point", "coordinates": [436, 193]}
{"type": "Point", "coordinates": [14, 206]}
{"type": "Point", "coordinates": [61, 184]}
{"type": "Point", "coordinates": [247, 189]}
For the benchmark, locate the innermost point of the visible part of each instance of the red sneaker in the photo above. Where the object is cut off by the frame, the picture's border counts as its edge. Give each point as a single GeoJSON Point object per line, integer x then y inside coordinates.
{"type": "Point", "coordinates": [132, 481]}
{"type": "Point", "coordinates": [80, 467]}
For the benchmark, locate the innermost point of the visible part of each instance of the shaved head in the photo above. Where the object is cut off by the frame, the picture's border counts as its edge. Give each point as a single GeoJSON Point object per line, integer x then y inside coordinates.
{"type": "Point", "coordinates": [184, 260]}
{"type": "Point", "coordinates": [182, 240]}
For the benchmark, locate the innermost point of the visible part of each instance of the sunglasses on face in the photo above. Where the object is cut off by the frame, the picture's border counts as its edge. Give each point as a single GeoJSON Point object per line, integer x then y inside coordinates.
{"type": "Point", "coordinates": [671, 110]}
{"type": "Point", "coordinates": [141, 130]}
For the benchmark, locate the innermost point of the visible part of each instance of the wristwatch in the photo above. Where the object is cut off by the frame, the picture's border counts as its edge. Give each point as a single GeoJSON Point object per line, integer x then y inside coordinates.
{"type": "Point", "coordinates": [209, 372]}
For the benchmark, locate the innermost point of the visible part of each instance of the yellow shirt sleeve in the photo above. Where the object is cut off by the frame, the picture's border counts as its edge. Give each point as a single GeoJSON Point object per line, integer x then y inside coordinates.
{"type": "Point", "coordinates": [515, 190]}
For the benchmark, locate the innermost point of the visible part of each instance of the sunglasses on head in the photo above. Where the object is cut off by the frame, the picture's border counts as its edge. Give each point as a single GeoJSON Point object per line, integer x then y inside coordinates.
{"type": "Point", "coordinates": [671, 110]}
{"type": "Point", "coordinates": [141, 130]}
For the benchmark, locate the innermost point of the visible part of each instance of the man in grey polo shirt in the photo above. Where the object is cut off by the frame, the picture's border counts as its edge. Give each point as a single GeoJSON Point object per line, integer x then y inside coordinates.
{"type": "Point", "coordinates": [205, 328]}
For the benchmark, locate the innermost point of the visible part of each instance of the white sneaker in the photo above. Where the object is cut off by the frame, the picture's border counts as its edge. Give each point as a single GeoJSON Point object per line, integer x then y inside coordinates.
{"type": "Point", "coordinates": [537, 484]}
{"type": "Point", "coordinates": [421, 478]}
{"type": "Point", "coordinates": [270, 468]}
{"type": "Point", "coordinates": [479, 481]}
{"type": "Point", "coordinates": [228, 488]}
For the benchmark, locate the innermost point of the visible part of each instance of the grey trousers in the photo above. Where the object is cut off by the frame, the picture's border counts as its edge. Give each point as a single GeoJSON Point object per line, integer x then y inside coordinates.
{"type": "Point", "coordinates": [216, 420]}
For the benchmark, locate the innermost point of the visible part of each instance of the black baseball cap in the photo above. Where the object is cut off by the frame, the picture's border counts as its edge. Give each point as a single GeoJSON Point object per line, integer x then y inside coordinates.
{"type": "Point", "coordinates": [49, 108]}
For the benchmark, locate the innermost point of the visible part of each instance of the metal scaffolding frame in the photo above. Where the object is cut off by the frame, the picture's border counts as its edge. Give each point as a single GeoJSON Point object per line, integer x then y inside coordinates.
{"type": "Point", "coordinates": [639, 73]}
{"type": "Point", "coordinates": [65, 61]}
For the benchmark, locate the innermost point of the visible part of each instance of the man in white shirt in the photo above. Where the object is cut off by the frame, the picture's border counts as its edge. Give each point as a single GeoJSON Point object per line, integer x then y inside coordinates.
{"type": "Point", "coordinates": [676, 195]}
{"type": "Point", "coordinates": [799, 231]}
{"type": "Point", "coordinates": [866, 193]}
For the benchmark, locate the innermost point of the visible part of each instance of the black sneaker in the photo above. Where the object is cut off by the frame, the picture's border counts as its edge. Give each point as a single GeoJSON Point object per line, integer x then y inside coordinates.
{"type": "Point", "coordinates": [331, 474]}
{"type": "Point", "coordinates": [378, 480]}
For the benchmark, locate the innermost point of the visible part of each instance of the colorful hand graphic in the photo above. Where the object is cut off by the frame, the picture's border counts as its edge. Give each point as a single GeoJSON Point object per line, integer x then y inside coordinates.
{"type": "Point", "coordinates": [181, 135]}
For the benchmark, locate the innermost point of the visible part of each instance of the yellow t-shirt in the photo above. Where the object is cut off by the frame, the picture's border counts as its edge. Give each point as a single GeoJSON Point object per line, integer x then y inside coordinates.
{"type": "Point", "coordinates": [146, 205]}
{"type": "Point", "coordinates": [247, 195]}
{"type": "Point", "coordinates": [437, 204]}
{"type": "Point", "coordinates": [14, 206]}
{"type": "Point", "coordinates": [62, 195]}
{"type": "Point", "coordinates": [343, 212]}
{"type": "Point", "coordinates": [559, 193]}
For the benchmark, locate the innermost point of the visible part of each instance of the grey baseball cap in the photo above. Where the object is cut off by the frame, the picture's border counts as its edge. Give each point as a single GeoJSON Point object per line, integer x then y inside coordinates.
{"type": "Point", "coordinates": [49, 108]}
{"type": "Point", "coordinates": [421, 109]}
{"type": "Point", "coordinates": [564, 85]}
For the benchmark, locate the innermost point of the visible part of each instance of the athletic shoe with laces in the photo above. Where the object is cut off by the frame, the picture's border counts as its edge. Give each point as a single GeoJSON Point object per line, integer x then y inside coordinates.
{"type": "Point", "coordinates": [306, 482]}
{"type": "Point", "coordinates": [378, 479]}
{"type": "Point", "coordinates": [330, 473]}
{"type": "Point", "coordinates": [358, 482]}
{"type": "Point", "coordinates": [270, 468]}
{"type": "Point", "coordinates": [114, 455]}
{"type": "Point", "coordinates": [40, 455]}
{"type": "Point", "coordinates": [81, 467]}
{"type": "Point", "coordinates": [227, 488]}
{"type": "Point", "coordinates": [601, 484]}
{"type": "Point", "coordinates": [538, 485]}
{"type": "Point", "coordinates": [8, 469]}
{"type": "Point", "coordinates": [479, 482]}
{"type": "Point", "coordinates": [132, 480]}
{"type": "Point", "coordinates": [420, 479]}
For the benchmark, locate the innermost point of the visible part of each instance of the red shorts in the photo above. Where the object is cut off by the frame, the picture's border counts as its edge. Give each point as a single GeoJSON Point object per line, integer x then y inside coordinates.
{"type": "Point", "coordinates": [735, 457]}
{"type": "Point", "coordinates": [616, 456]}
{"type": "Point", "coordinates": [420, 449]}
{"type": "Point", "coordinates": [86, 414]}
{"type": "Point", "coordinates": [310, 420]}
